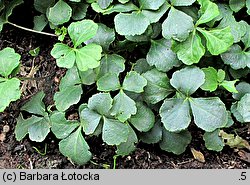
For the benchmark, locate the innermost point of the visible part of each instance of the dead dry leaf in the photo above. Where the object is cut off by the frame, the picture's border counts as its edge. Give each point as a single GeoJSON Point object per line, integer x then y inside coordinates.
{"type": "Point", "coordinates": [198, 155]}
{"type": "Point", "coordinates": [245, 156]}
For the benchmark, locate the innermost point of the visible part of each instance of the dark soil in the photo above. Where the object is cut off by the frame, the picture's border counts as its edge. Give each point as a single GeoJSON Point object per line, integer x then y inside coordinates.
{"type": "Point", "coordinates": [25, 154]}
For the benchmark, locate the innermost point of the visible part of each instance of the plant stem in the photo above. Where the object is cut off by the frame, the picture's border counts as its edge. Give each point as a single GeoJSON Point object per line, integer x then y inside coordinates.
{"type": "Point", "coordinates": [34, 31]}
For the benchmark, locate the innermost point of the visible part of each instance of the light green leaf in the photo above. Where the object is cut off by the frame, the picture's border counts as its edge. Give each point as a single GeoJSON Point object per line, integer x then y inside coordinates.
{"type": "Point", "coordinates": [248, 6]}
{"type": "Point", "coordinates": [10, 91]}
{"type": "Point", "coordinates": [60, 13]}
{"type": "Point", "coordinates": [182, 2]}
{"type": "Point", "coordinates": [208, 11]}
{"type": "Point", "coordinates": [236, 57]}
{"type": "Point", "coordinates": [175, 114]}
{"type": "Point", "coordinates": [144, 118]}
{"type": "Point", "coordinates": [88, 57]}
{"type": "Point", "coordinates": [151, 5]}
{"type": "Point", "coordinates": [242, 88]}
{"type": "Point", "coordinates": [229, 85]}
{"type": "Point", "coordinates": [123, 107]}
{"type": "Point", "coordinates": [75, 148]}
{"type": "Point", "coordinates": [189, 51]}
{"type": "Point", "coordinates": [89, 120]}
{"type": "Point", "coordinates": [35, 105]}
{"type": "Point", "coordinates": [175, 142]}
{"type": "Point", "coordinates": [158, 86]}
{"type": "Point", "coordinates": [211, 82]}
{"type": "Point", "coordinates": [22, 126]}
{"type": "Point", "coordinates": [161, 56]}
{"type": "Point", "coordinates": [104, 3]}
{"type": "Point", "coordinates": [39, 130]}
{"type": "Point", "coordinates": [109, 82]}
{"type": "Point", "coordinates": [101, 103]}
{"type": "Point", "coordinates": [152, 136]}
{"type": "Point", "coordinates": [237, 5]}
{"type": "Point", "coordinates": [68, 96]}
{"type": "Point", "coordinates": [243, 107]}
{"type": "Point", "coordinates": [134, 82]}
{"type": "Point", "coordinates": [213, 141]}
{"type": "Point", "coordinates": [218, 40]}
{"type": "Point", "coordinates": [134, 23]}
{"type": "Point", "coordinates": [178, 25]}
{"type": "Point", "coordinates": [114, 132]}
{"type": "Point", "coordinates": [209, 113]}
{"type": "Point", "coordinates": [221, 75]}
{"type": "Point", "coordinates": [129, 146]}
{"type": "Point", "coordinates": [9, 60]}
{"type": "Point", "coordinates": [60, 126]}
{"type": "Point", "coordinates": [82, 31]}
{"type": "Point", "coordinates": [71, 78]}
{"type": "Point", "coordinates": [187, 80]}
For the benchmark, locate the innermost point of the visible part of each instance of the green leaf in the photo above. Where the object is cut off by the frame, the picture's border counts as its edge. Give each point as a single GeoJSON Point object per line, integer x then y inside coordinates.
{"type": "Point", "coordinates": [35, 105]}
{"type": "Point", "coordinates": [144, 118]}
{"type": "Point", "coordinates": [152, 136]}
{"type": "Point", "coordinates": [68, 96]}
{"type": "Point", "coordinates": [189, 51]}
{"type": "Point", "coordinates": [129, 146]}
{"type": "Point", "coordinates": [82, 31]}
{"type": "Point", "coordinates": [134, 82]}
{"type": "Point", "coordinates": [114, 132]}
{"type": "Point", "coordinates": [221, 75]}
{"type": "Point", "coordinates": [9, 60]}
{"type": "Point", "coordinates": [182, 2]}
{"type": "Point", "coordinates": [8, 9]}
{"type": "Point", "coordinates": [209, 113]}
{"type": "Point", "coordinates": [242, 88]}
{"type": "Point", "coordinates": [236, 58]}
{"type": "Point", "coordinates": [60, 126]}
{"type": "Point", "coordinates": [178, 25]}
{"type": "Point", "coordinates": [10, 91]}
{"type": "Point", "coordinates": [104, 3]}
{"type": "Point", "coordinates": [236, 113]}
{"type": "Point", "coordinates": [237, 5]}
{"type": "Point", "coordinates": [89, 120]}
{"type": "Point", "coordinates": [208, 11]}
{"type": "Point", "coordinates": [141, 66]}
{"type": "Point", "coordinates": [71, 78]}
{"type": "Point", "coordinates": [101, 103]}
{"type": "Point", "coordinates": [229, 85]}
{"type": "Point", "coordinates": [39, 130]}
{"type": "Point", "coordinates": [60, 13]}
{"type": "Point", "coordinates": [187, 80]}
{"type": "Point", "coordinates": [40, 22]}
{"type": "Point", "coordinates": [243, 107]}
{"type": "Point", "coordinates": [211, 82]}
{"type": "Point", "coordinates": [79, 10]}
{"type": "Point", "coordinates": [75, 148]}
{"type": "Point", "coordinates": [22, 126]}
{"type": "Point", "coordinates": [175, 114]}
{"type": "Point", "coordinates": [123, 107]}
{"type": "Point", "coordinates": [175, 142]}
{"type": "Point", "coordinates": [151, 5]}
{"type": "Point", "coordinates": [109, 82]}
{"type": "Point", "coordinates": [42, 5]}
{"type": "Point", "coordinates": [88, 57]}
{"type": "Point", "coordinates": [134, 23]}
{"type": "Point", "coordinates": [248, 6]}
{"type": "Point", "coordinates": [88, 77]}
{"type": "Point", "coordinates": [218, 40]}
{"type": "Point", "coordinates": [158, 86]}
{"type": "Point", "coordinates": [213, 141]}
{"type": "Point", "coordinates": [161, 56]}
{"type": "Point", "coordinates": [64, 55]}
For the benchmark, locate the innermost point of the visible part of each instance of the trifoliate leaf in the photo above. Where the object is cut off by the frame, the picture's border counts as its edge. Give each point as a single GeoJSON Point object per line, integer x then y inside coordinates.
{"type": "Point", "coordinates": [144, 118]}
{"type": "Point", "coordinates": [209, 113]}
{"type": "Point", "coordinates": [152, 136]}
{"type": "Point", "coordinates": [35, 105]}
{"type": "Point", "coordinates": [134, 82]}
{"type": "Point", "coordinates": [236, 57]}
{"type": "Point", "coordinates": [101, 103]}
{"type": "Point", "coordinates": [178, 25]}
{"type": "Point", "coordinates": [60, 126]}
{"type": "Point", "coordinates": [218, 40]}
{"type": "Point", "coordinates": [161, 56]}
{"type": "Point", "coordinates": [39, 130]}
{"type": "Point", "coordinates": [75, 148]}
{"type": "Point", "coordinates": [134, 23]}
{"type": "Point", "coordinates": [242, 88]}
{"type": "Point", "coordinates": [60, 8]}
{"type": "Point", "coordinates": [151, 5]}
{"type": "Point", "coordinates": [213, 141]}
{"type": "Point", "coordinates": [189, 51]}
{"type": "Point", "coordinates": [114, 132]}
{"type": "Point", "coordinates": [175, 142]}
{"type": "Point", "coordinates": [208, 11]}
{"type": "Point", "coordinates": [243, 107]}
{"type": "Point", "coordinates": [188, 80]}
{"type": "Point", "coordinates": [211, 82]}
{"type": "Point", "coordinates": [158, 86]}
{"type": "Point", "coordinates": [128, 146]}
{"type": "Point", "coordinates": [82, 31]}
{"type": "Point", "coordinates": [9, 60]}
{"type": "Point", "coordinates": [89, 120]}
{"type": "Point", "coordinates": [10, 91]}
{"type": "Point", "coordinates": [68, 96]}
{"type": "Point", "coordinates": [109, 82]}
{"type": "Point", "coordinates": [123, 107]}
{"type": "Point", "coordinates": [175, 114]}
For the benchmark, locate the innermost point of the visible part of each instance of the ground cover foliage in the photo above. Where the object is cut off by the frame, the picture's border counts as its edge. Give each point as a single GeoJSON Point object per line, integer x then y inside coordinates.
{"type": "Point", "coordinates": [190, 65]}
